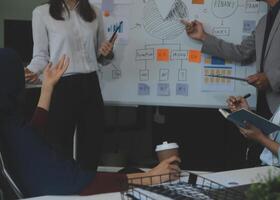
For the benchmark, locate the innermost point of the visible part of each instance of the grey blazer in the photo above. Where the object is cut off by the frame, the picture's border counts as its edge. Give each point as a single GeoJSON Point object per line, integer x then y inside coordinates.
{"type": "Point", "coordinates": [250, 50]}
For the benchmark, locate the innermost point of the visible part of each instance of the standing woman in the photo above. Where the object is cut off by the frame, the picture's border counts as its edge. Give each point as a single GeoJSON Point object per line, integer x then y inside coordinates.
{"type": "Point", "coordinates": [73, 28]}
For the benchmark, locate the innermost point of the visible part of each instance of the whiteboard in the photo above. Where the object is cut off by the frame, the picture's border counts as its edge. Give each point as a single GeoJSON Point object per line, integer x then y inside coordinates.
{"type": "Point", "coordinates": [157, 64]}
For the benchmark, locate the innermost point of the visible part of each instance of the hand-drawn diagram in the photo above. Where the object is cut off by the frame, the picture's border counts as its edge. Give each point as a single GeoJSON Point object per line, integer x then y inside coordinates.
{"type": "Point", "coordinates": [155, 54]}
{"type": "Point", "coordinates": [167, 28]}
{"type": "Point", "coordinates": [160, 65]}
{"type": "Point", "coordinates": [224, 8]}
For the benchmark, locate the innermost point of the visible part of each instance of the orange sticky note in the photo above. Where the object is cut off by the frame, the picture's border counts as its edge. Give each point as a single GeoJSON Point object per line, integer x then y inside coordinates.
{"type": "Point", "coordinates": [197, 1]}
{"type": "Point", "coordinates": [163, 55]}
{"type": "Point", "coordinates": [106, 13]}
{"type": "Point", "coordinates": [194, 56]}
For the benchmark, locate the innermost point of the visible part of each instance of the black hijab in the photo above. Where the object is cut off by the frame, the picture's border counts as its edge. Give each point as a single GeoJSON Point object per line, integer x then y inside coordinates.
{"type": "Point", "coordinates": [12, 82]}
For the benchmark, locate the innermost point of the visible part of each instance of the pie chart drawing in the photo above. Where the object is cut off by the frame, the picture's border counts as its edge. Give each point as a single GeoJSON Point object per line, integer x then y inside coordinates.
{"type": "Point", "coordinates": [161, 27]}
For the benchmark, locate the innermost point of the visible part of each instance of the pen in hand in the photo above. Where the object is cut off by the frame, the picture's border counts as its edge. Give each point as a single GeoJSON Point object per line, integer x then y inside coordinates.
{"type": "Point", "coordinates": [245, 97]}
{"type": "Point", "coordinates": [236, 103]}
{"type": "Point", "coordinates": [111, 40]}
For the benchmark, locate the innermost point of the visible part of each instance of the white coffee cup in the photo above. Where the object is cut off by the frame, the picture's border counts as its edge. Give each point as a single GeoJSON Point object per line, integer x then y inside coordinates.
{"type": "Point", "coordinates": [167, 150]}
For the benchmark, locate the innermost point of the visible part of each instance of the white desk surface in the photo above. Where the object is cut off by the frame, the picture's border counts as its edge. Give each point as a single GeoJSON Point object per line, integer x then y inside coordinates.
{"type": "Point", "coordinates": [227, 178]}
{"type": "Point", "coordinates": [242, 177]}
{"type": "Point", "coordinates": [111, 196]}
{"type": "Point", "coordinates": [116, 169]}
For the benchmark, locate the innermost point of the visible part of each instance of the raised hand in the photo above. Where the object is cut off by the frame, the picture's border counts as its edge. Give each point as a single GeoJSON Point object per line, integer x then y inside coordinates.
{"type": "Point", "coordinates": [51, 77]}
{"type": "Point", "coordinates": [52, 74]}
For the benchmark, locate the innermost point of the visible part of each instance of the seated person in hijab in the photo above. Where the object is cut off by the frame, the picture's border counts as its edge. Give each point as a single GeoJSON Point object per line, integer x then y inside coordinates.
{"type": "Point", "coordinates": [271, 152]}
{"type": "Point", "coordinates": [34, 166]}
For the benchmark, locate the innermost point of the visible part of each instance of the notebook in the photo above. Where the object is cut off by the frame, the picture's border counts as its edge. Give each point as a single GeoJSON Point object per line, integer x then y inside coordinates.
{"type": "Point", "coordinates": [241, 116]}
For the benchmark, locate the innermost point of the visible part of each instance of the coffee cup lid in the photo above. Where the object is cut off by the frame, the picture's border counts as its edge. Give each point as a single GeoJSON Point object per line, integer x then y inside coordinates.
{"type": "Point", "coordinates": [166, 146]}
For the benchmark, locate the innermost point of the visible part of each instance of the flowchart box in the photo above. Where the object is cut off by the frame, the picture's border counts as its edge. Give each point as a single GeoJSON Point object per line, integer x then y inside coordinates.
{"type": "Point", "coordinates": [249, 26]}
{"type": "Point", "coordinates": [182, 75]}
{"type": "Point", "coordinates": [182, 89]}
{"type": "Point", "coordinates": [164, 74]}
{"type": "Point", "coordinates": [221, 31]}
{"type": "Point", "coordinates": [179, 55]}
{"type": "Point", "coordinates": [143, 89]}
{"type": "Point", "coordinates": [144, 75]}
{"type": "Point", "coordinates": [163, 89]}
{"type": "Point", "coordinates": [252, 6]}
{"type": "Point", "coordinates": [145, 54]}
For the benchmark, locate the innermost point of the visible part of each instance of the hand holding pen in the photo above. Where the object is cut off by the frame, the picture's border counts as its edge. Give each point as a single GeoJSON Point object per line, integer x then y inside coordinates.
{"type": "Point", "coordinates": [107, 46]}
{"type": "Point", "coordinates": [237, 103]}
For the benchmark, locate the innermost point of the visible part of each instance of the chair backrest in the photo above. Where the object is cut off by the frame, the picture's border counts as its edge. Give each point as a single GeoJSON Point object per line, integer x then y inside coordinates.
{"type": "Point", "coordinates": [8, 185]}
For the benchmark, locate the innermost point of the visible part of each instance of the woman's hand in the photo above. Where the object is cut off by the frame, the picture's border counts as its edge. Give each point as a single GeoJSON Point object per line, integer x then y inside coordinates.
{"type": "Point", "coordinates": [237, 103]}
{"type": "Point", "coordinates": [30, 77]}
{"type": "Point", "coordinates": [168, 166]}
{"type": "Point", "coordinates": [51, 77]}
{"type": "Point", "coordinates": [251, 132]}
{"type": "Point", "coordinates": [107, 47]}
{"type": "Point", "coordinates": [52, 74]}
{"type": "Point", "coordinates": [167, 170]}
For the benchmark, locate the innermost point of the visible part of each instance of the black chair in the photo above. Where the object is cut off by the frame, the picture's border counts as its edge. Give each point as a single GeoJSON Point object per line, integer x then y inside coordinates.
{"type": "Point", "coordinates": [9, 189]}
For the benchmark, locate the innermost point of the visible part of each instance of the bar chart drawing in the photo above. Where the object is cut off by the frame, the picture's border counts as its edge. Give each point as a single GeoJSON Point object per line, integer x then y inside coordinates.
{"type": "Point", "coordinates": [210, 84]}
{"type": "Point", "coordinates": [113, 27]}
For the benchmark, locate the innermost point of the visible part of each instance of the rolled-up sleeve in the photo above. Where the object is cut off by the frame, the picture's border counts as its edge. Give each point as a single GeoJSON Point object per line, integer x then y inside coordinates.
{"type": "Point", "coordinates": [41, 43]}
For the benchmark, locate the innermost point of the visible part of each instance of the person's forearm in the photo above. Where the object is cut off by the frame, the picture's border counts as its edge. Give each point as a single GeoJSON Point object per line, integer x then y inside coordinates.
{"type": "Point", "coordinates": [136, 178]}
{"type": "Point", "coordinates": [45, 97]}
{"type": "Point", "coordinates": [149, 178]}
{"type": "Point", "coordinates": [142, 179]}
{"type": "Point", "coordinates": [244, 52]}
{"type": "Point", "coordinates": [270, 144]}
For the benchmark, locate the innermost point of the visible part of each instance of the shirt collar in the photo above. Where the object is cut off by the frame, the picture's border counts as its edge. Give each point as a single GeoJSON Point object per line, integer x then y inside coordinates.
{"type": "Point", "coordinates": [74, 8]}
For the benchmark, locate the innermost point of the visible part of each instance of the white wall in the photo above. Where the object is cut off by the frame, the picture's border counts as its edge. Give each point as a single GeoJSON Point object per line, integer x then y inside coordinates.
{"type": "Point", "coordinates": [16, 9]}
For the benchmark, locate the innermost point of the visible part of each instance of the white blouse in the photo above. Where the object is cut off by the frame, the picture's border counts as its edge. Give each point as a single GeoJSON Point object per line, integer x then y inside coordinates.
{"type": "Point", "coordinates": [74, 37]}
{"type": "Point", "coordinates": [267, 157]}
